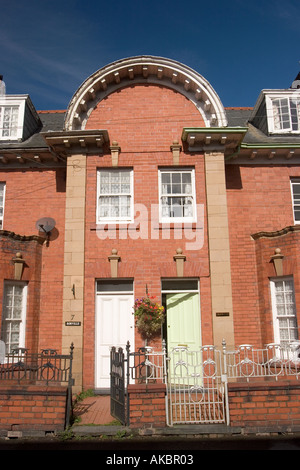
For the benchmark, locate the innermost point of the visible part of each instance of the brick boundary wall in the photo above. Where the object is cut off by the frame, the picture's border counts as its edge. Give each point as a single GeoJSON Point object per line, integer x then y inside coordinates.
{"type": "Point", "coordinates": [270, 406]}
{"type": "Point", "coordinates": [273, 405]}
{"type": "Point", "coordinates": [34, 408]}
{"type": "Point", "coordinates": [147, 405]}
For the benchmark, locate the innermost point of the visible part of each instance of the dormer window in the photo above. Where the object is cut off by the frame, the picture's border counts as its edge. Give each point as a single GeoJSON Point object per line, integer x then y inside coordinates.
{"type": "Point", "coordinates": [9, 121]}
{"type": "Point", "coordinates": [286, 114]}
{"type": "Point", "coordinates": [283, 112]}
{"type": "Point", "coordinates": [11, 117]}
{"type": "Point", "coordinates": [18, 118]}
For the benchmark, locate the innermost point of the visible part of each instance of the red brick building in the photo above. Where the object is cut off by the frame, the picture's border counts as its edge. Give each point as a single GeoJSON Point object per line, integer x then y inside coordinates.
{"type": "Point", "coordinates": [150, 186]}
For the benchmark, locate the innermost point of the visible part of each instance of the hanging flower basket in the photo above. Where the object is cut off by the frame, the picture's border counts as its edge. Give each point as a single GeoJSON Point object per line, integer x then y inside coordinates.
{"type": "Point", "coordinates": [149, 316]}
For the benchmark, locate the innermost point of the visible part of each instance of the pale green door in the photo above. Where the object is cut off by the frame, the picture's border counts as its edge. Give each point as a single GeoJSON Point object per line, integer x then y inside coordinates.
{"type": "Point", "coordinates": [183, 321]}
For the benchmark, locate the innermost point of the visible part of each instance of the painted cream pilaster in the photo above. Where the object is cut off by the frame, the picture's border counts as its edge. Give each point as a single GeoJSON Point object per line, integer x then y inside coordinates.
{"type": "Point", "coordinates": [72, 328]}
{"type": "Point", "coordinates": [219, 251]}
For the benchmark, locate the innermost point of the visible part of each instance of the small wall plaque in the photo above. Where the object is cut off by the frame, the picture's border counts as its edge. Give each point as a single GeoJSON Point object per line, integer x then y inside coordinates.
{"type": "Point", "coordinates": [222, 314]}
{"type": "Point", "coordinates": [73, 323]}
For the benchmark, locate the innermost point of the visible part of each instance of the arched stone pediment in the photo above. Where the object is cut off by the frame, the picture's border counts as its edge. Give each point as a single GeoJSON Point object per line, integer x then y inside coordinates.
{"type": "Point", "coordinates": [144, 69]}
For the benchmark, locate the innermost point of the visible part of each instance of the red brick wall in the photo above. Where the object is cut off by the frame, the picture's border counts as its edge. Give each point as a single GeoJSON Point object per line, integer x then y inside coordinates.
{"type": "Point", "coordinates": [147, 405]}
{"type": "Point", "coordinates": [273, 405]}
{"type": "Point", "coordinates": [264, 404]}
{"type": "Point", "coordinates": [259, 199]}
{"type": "Point", "coordinates": [265, 247]}
{"type": "Point", "coordinates": [31, 250]}
{"type": "Point", "coordinates": [32, 408]}
{"type": "Point", "coordinates": [30, 195]}
{"type": "Point", "coordinates": [144, 120]}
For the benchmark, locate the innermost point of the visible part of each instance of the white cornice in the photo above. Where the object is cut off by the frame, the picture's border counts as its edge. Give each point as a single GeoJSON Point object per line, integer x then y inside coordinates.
{"type": "Point", "coordinates": [145, 69]}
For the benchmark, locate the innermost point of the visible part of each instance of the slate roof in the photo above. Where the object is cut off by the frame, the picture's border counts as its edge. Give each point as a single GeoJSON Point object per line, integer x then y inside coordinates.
{"type": "Point", "coordinates": [242, 117]}
{"type": "Point", "coordinates": [51, 121]}
{"type": "Point", "coordinates": [237, 117]}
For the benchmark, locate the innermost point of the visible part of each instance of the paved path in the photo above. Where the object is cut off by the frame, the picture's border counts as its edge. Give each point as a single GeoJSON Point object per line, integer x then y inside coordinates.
{"type": "Point", "coordinates": [94, 410]}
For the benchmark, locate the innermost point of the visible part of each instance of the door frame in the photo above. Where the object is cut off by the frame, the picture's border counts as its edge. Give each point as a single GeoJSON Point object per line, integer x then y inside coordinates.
{"type": "Point", "coordinates": [97, 318]}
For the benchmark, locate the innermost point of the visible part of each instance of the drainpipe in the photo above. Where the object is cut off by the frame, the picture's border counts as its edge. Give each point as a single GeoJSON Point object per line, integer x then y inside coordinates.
{"type": "Point", "coordinates": [234, 154]}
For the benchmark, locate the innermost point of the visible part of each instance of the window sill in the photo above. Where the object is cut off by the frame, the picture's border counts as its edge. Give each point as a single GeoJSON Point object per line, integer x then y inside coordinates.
{"type": "Point", "coordinates": [137, 226]}
{"type": "Point", "coordinates": [176, 225]}
{"type": "Point", "coordinates": [113, 226]}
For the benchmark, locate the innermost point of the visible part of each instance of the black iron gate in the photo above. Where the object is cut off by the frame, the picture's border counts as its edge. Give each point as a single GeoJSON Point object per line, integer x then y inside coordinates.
{"type": "Point", "coordinates": [142, 366]}
{"type": "Point", "coordinates": [118, 395]}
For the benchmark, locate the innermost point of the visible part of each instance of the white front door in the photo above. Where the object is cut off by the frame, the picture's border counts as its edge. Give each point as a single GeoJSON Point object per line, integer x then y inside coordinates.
{"type": "Point", "coordinates": [114, 327]}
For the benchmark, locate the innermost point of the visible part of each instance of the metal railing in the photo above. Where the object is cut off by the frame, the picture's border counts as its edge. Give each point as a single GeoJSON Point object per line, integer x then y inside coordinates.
{"type": "Point", "coordinates": [146, 365]}
{"type": "Point", "coordinates": [197, 381]}
{"type": "Point", "coordinates": [44, 368]}
{"type": "Point", "coordinates": [274, 360]}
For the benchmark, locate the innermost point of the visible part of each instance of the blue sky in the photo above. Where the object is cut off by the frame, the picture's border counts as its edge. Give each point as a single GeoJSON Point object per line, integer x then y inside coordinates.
{"type": "Point", "coordinates": [48, 48]}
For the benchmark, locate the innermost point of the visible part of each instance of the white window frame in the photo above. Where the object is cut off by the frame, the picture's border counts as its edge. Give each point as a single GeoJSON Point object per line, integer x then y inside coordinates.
{"type": "Point", "coordinates": [168, 219]}
{"type": "Point", "coordinates": [9, 102]}
{"type": "Point", "coordinates": [21, 321]}
{"type": "Point", "coordinates": [287, 316]}
{"type": "Point", "coordinates": [120, 219]}
{"type": "Point", "coordinates": [290, 97]}
{"type": "Point", "coordinates": [2, 185]}
{"type": "Point", "coordinates": [295, 201]}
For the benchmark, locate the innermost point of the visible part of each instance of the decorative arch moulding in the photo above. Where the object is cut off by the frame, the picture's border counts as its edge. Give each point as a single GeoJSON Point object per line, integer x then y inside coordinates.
{"type": "Point", "coordinates": [147, 70]}
{"type": "Point", "coordinates": [277, 233]}
{"type": "Point", "coordinates": [21, 238]}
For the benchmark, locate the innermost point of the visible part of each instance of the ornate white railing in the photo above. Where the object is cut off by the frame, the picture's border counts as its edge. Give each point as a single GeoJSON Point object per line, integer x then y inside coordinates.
{"type": "Point", "coordinates": [197, 381]}
{"type": "Point", "coordinates": [275, 360]}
